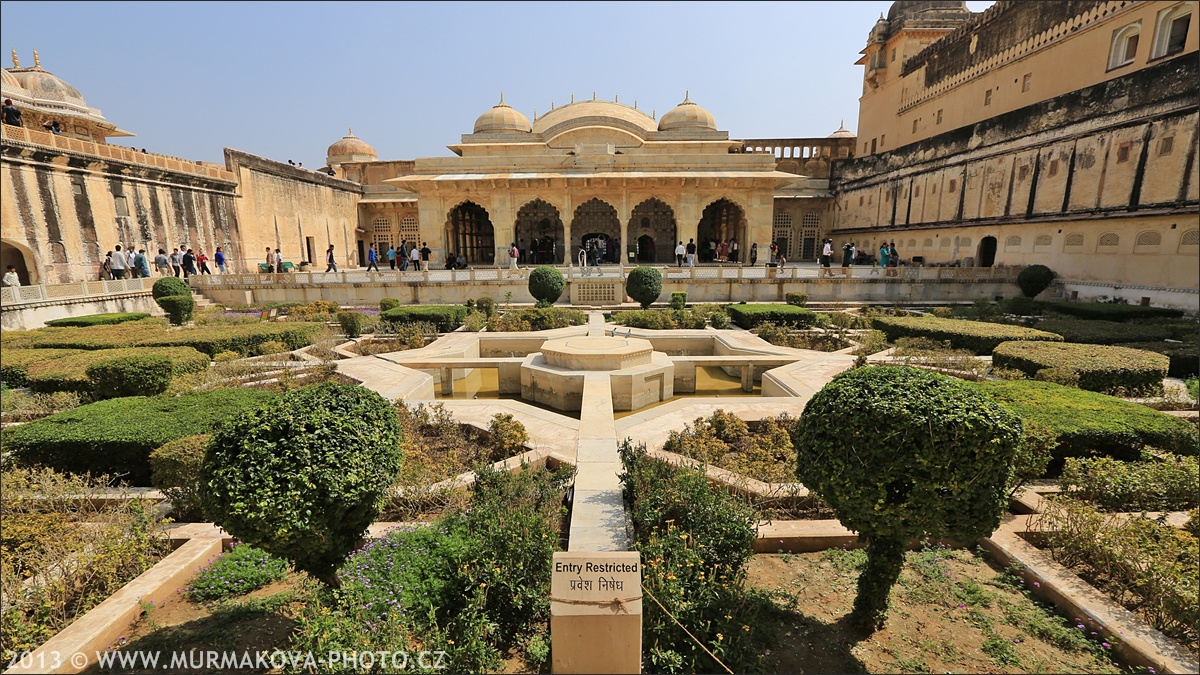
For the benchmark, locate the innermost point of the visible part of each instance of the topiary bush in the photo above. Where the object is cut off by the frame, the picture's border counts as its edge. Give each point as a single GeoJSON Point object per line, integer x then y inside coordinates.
{"type": "Point", "coordinates": [445, 317]}
{"type": "Point", "coordinates": [506, 437]}
{"type": "Point", "coordinates": [750, 316]}
{"type": "Point", "coordinates": [797, 299]}
{"type": "Point", "coordinates": [1096, 367]}
{"type": "Point", "coordinates": [116, 436]}
{"type": "Point", "coordinates": [939, 455]}
{"type": "Point", "coordinates": [1035, 279]}
{"type": "Point", "coordinates": [178, 308]}
{"type": "Point", "coordinates": [352, 323]}
{"type": "Point", "coordinates": [97, 319]}
{"type": "Point", "coordinates": [388, 303]}
{"type": "Point", "coordinates": [146, 375]}
{"type": "Point", "coordinates": [644, 285]}
{"type": "Point", "coordinates": [487, 306]}
{"type": "Point", "coordinates": [546, 284]}
{"type": "Point", "coordinates": [978, 336]}
{"type": "Point", "coordinates": [170, 286]}
{"type": "Point", "coordinates": [70, 372]}
{"type": "Point", "coordinates": [175, 469]}
{"type": "Point", "coordinates": [1109, 311]}
{"type": "Point", "coordinates": [302, 476]}
{"type": "Point", "coordinates": [678, 300]}
{"type": "Point", "coordinates": [15, 363]}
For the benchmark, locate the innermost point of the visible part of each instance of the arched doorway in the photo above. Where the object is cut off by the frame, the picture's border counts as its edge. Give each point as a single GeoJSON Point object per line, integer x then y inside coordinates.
{"type": "Point", "coordinates": [21, 258]}
{"type": "Point", "coordinates": [598, 221]}
{"type": "Point", "coordinates": [987, 252]}
{"type": "Point", "coordinates": [721, 221]}
{"type": "Point", "coordinates": [540, 234]}
{"type": "Point", "coordinates": [652, 226]}
{"type": "Point", "coordinates": [470, 233]}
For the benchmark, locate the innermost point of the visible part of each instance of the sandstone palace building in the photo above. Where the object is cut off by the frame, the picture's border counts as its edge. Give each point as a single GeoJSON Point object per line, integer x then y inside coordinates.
{"type": "Point", "coordinates": [1059, 132]}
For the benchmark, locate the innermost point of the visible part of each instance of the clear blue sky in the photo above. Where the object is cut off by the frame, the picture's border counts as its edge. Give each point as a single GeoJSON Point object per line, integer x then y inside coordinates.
{"type": "Point", "coordinates": [284, 79]}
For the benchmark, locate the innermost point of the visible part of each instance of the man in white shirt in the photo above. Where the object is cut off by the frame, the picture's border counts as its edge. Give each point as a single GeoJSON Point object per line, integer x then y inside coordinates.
{"type": "Point", "coordinates": [414, 257]}
{"type": "Point", "coordinates": [11, 278]}
{"type": "Point", "coordinates": [680, 251]}
{"type": "Point", "coordinates": [826, 254]}
{"type": "Point", "coordinates": [118, 263]}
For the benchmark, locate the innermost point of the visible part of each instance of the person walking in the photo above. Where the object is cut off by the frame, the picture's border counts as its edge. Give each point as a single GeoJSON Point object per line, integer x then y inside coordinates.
{"type": "Point", "coordinates": [414, 257]}
{"type": "Point", "coordinates": [425, 253]}
{"type": "Point", "coordinates": [826, 254]}
{"type": "Point", "coordinates": [680, 252]}
{"type": "Point", "coordinates": [513, 254]}
{"type": "Point", "coordinates": [202, 259]}
{"type": "Point", "coordinates": [893, 260]}
{"type": "Point", "coordinates": [391, 256]}
{"type": "Point", "coordinates": [176, 259]}
{"type": "Point", "coordinates": [754, 254]}
{"type": "Point", "coordinates": [219, 258]}
{"type": "Point", "coordinates": [106, 267]}
{"type": "Point", "coordinates": [853, 254]}
{"type": "Point", "coordinates": [279, 268]}
{"type": "Point", "coordinates": [141, 264]}
{"type": "Point", "coordinates": [330, 261]}
{"type": "Point", "coordinates": [402, 254]}
{"type": "Point", "coordinates": [118, 264]}
{"type": "Point", "coordinates": [372, 259]}
{"type": "Point", "coordinates": [11, 278]}
{"type": "Point", "coordinates": [846, 254]}
{"type": "Point", "coordinates": [189, 264]}
{"type": "Point", "coordinates": [883, 259]}
{"type": "Point", "coordinates": [724, 252]}
{"type": "Point", "coordinates": [691, 252]}
{"type": "Point", "coordinates": [161, 263]}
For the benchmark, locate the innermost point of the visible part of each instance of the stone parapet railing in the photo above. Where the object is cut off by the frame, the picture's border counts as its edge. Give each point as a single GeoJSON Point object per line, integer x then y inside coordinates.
{"type": "Point", "coordinates": [42, 293]}
{"type": "Point", "coordinates": [24, 136]}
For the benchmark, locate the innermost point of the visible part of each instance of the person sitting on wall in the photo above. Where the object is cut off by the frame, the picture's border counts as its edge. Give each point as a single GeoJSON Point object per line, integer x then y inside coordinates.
{"type": "Point", "coordinates": [53, 127]}
{"type": "Point", "coordinates": [12, 114]}
{"type": "Point", "coordinates": [11, 278]}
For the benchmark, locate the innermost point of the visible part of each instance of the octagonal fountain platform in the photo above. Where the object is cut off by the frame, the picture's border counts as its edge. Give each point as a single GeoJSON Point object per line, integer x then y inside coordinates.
{"type": "Point", "coordinates": [638, 375]}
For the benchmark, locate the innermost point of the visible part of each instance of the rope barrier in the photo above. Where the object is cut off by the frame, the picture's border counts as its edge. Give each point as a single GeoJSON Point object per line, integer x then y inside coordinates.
{"type": "Point", "coordinates": [617, 605]}
{"type": "Point", "coordinates": [689, 633]}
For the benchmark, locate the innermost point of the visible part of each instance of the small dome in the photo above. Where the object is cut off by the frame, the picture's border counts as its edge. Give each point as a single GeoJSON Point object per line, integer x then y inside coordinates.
{"type": "Point", "coordinates": [46, 84]}
{"type": "Point", "coordinates": [502, 118]}
{"type": "Point", "coordinates": [842, 132]}
{"type": "Point", "coordinates": [687, 115]}
{"type": "Point", "coordinates": [9, 79]}
{"type": "Point", "coordinates": [351, 145]}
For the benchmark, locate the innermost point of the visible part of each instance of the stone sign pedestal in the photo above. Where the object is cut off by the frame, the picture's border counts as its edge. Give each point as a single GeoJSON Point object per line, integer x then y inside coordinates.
{"type": "Point", "coordinates": [596, 612]}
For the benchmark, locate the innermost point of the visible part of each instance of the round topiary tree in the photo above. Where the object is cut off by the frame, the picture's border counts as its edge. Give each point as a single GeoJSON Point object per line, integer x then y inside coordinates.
{"type": "Point", "coordinates": [546, 284]}
{"type": "Point", "coordinates": [178, 308]}
{"type": "Point", "coordinates": [304, 475]}
{"type": "Point", "coordinates": [1035, 279]}
{"type": "Point", "coordinates": [899, 453]}
{"type": "Point", "coordinates": [644, 285]}
{"type": "Point", "coordinates": [169, 286]}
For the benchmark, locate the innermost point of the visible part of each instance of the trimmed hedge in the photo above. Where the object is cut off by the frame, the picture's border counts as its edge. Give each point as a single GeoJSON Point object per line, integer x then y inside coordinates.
{"type": "Point", "coordinates": [212, 340]}
{"type": "Point", "coordinates": [352, 323]}
{"type": "Point", "coordinates": [178, 308]}
{"type": "Point", "coordinates": [388, 303]}
{"type": "Point", "coordinates": [978, 336]}
{"type": "Point", "coordinates": [678, 299]}
{"type": "Point", "coordinates": [69, 373]}
{"type": "Point", "coordinates": [445, 317]}
{"type": "Point", "coordinates": [117, 436]}
{"type": "Point", "coordinates": [15, 362]}
{"type": "Point", "coordinates": [1185, 358]}
{"type": "Point", "coordinates": [168, 286]}
{"type": "Point", "coordinates": [175, 469]}
{"type": "Point", "coordinates": [1090, 424]}
{"type": "Point", "coordinates": [644, 285]}
{"type": "Point", "coordinates": [546, 284]}
{"type": "Point", "coordinates": [97, 319]}
{"type": "Point", "coordinates": [1109, 311]}
{"type": "Point", "coordinates": [143, 375]}
{"type": "Point", "coordinates": [797, 299]}
{"type": "Point", "coordinates": [536, 318]}
{"type": "Point", "coordinates": [1107, 332]}
{"type": "Point", "coordinates": [1168, 484]}
{"type": "Point", "coordinates": [749, 316]}
{"type": "Point", "coordinates": [658, 319]}
{"type": "Point", "coordinates": [1100, 368]}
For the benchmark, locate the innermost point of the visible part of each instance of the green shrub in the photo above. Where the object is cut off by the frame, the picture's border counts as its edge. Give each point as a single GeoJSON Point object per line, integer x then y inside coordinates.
{"type": "Point", "coordinates": [146, 375]}
{"type": "Point", "coordinates": [98, 319]}
{"type": "Point", "coordinates": [388, 303]}
{"type": "Point", "coordinates": [1033, 455]}
{"type": "Point", "coordinates": [644, 285]}
{"type": "Point", "coordinates": [1184, 358]}
{"type": "Point", "coordinates": [1035, 279]}
{"type": "Point", "coordinates": [175, 469]}
{"type": "Point", "coordinates": [1108, 311]}
{"type": "Point", "coordinates": [116, 436]}
{"type": "Point", "coordinates": [546, 284]}
{"type": "Point", "coordinates": [726, 441]}
{"type": "Point", "coordinates": [352, 323]}
{"type": "Point", "coordinates": [719, 320]}
{"type": "Point", "coordinates": [943, 470]}
{"type": "Point", "coordinates": [1100, 368]}
{"type": "Point", "coordinates": [303, 475]}
{"type": "Point", "coordinates": [226, 357]}
{"type": "Point", "coordinates": [1022, 306]}
{"type": "Point", "coordinates": [317, 310]}
{"type": "Point", "coordinates": [506, 437]}
{"type": "Point", "coordinates": [15, 362]}
{"type": "Point", "coordinates": [978, 336]}
{"type": "Point", "coordinates": [1064, 376]}
{"type": "Point", "coordinates": [694, 541]}
{"type": "Point", "coordinates": [536, 318]}
{"type": "Point", "coordinates": [942, 312]}
{"type": "Point", "coordinates": [1090, 424]}
{"type": "Point", "coordinates": [797, 299]}
{"type": "Point", "coordinates": [475, 322]}
{"type": "Point", "coordinates": [170, 286]}
{"type": "Point", "coordinates": [658, 319]}
{"type": "Point", "coordinates": [486, 305]}
{"type": "Point", "coordinates": [749, 316]}
{"type": "Point", "coordinates": [678, 300]}
{"type": "Point", "coordinates": [1106, 332]}
{"type": "Point", "coordinates": [178, 308]}
{"type": "Point", "coordinates": [1171, 483]}
{"type": "Point", "coordinates": [445, 317]}
{"type": "Point", "coordinates": [238, 571]}
{"type": "Point", "coordinates": [70, 373]}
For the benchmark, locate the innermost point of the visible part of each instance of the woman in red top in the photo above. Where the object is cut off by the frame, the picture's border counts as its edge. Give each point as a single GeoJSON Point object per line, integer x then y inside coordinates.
{"type": "Point", "coordinates": [203, 260]}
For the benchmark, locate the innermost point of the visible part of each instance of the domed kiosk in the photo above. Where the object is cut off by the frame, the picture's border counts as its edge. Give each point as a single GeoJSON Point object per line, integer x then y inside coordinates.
{"type": "Point", "coordinates": [502, 119]}
{"type": "Point", "coordinates": [687, 116]}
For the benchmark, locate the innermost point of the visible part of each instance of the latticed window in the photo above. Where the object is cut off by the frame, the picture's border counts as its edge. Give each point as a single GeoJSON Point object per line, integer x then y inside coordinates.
{"type": "Point", "coordinates": [1107, 239]}
{"type": "Point", "coordinates": [1043, 240]}
{"type": "Point", "coordinates": [1149, 239]}
{"type": "Point", "coordinates": [1012, 242]}
{"type": "Point", "coordinates": [1074, 240]}
{"type": "Point", "coordinates": [382, 230]}
{"type": "Point", "coordinates": [912, 243]}
{"type": "Point", "coordinates": [965, 241]}
{"type": "Point", "coordinates": [1190, 238]}
{"type": "Point", "coordinates": [782, 233]}
{"type": "Point", "coordinates": [945, 243]}
{"type": "Point", "coordinates": [811, 219]}
{"type": "Point", "coordinates": [409, 229]}
{"type": "Point", "coordinates": [928, 243]}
